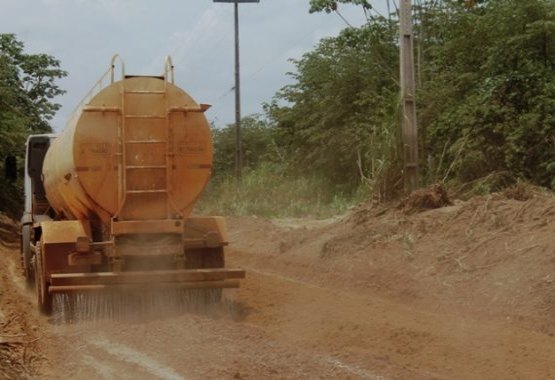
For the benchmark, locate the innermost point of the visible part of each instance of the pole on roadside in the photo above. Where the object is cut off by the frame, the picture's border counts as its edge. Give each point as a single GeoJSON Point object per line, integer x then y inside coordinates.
{"type": "Point", "coordinates": [408, 125]}
{"type": "Point", "coordinates": [238, 139]}
{"type": "Point", "coordinates": [238, 147]}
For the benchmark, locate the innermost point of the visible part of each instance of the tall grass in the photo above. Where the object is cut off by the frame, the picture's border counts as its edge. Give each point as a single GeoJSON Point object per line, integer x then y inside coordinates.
{"type": "Point", "coordinates": [380, 167]}
{"type": "Point", "coordinates": [270, 191]}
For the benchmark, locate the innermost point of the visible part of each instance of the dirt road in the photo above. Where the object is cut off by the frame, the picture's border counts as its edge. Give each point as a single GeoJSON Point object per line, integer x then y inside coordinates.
{"type": "Point", "coordinates": [464, 292]}
{"type": "Point", "coordinates": [214, 343]}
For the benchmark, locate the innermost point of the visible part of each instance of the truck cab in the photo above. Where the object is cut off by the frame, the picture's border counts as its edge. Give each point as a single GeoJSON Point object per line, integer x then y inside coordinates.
{"type": "Point", "coordinates": [36, 206]}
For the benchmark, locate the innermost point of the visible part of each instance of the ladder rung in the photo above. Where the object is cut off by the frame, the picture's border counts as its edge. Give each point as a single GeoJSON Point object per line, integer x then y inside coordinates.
{"type": "Point", "coordinates": [146, 167]}
{"type": "Point", "coordinates": [146, 141]}
{"type": "Point", "coordinates": [101, 109]}
{"type": "Point", "coordinates": [145, 116]}
{"type": "Point", "coordinates": [145, 92]}
{"type": "Point", "coordinates": [146, 191]}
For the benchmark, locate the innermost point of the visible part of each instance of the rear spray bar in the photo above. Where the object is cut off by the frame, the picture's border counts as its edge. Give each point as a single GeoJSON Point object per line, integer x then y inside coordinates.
{"type": "Point", "coordinates": [126, 287]}
{"type": "Point", "coordinates": [185, 278]}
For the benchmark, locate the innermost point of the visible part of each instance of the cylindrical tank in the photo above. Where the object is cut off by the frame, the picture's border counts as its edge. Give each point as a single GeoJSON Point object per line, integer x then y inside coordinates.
{"type": "Point", "coordinates": [141, 149]}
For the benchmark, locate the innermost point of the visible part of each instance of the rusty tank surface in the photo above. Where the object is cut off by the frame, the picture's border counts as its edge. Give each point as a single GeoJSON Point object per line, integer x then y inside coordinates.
{"type": "Point", "coordinates": [117, 188]}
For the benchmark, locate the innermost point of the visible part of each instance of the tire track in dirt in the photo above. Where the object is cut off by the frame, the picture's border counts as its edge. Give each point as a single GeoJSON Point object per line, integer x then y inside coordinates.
{"type": "Point", "coordinates": [188, 346]}
{"type": "Point", "coordinates": [127, 354]}
{"type": "Point", "coordinates": [102, 369]}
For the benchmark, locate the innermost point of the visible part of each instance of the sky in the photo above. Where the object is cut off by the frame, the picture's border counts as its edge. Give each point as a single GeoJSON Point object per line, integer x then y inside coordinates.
{"type": "Point", "coordinates": [198, 34]}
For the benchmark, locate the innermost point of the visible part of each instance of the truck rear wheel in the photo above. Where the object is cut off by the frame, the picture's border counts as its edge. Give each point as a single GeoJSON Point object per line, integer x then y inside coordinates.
{"type": "Point", "coordinates": [44, 299]}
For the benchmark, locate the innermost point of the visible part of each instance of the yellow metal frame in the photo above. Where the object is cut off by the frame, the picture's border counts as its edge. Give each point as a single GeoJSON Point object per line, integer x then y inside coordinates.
{"type": "Point", "coordinates": [147, 227]}
{"type": "Point", "coordinates": [64, 231]}
{"type": "Point", "coordinates": [99, 85]}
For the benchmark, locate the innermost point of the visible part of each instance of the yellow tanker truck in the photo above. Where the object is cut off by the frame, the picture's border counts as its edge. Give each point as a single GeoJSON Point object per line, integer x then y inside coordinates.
{"type": "Point", "coordinates": [109, 200]}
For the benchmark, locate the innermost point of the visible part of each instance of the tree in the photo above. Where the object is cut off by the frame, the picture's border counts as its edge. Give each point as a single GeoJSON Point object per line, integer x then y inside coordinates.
{"type": "Point", "coordinates": [27, 88]}
{"type": "Point", "coordinates": [336, 118]}
{"type": "Point", "coordinates": [488, 104]}
{"type": "Point", "coordinates": [331, 5]}
{"type": "Point", "coordinates": [258, 145]}
{"type": "Point", "coordinates": [485, 86]}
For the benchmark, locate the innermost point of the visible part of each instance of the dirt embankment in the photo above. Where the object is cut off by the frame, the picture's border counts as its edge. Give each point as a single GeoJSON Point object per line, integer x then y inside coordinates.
{"type": "Point", "coordinates": [19, 331]}
{"type": "Point", "coordinates": [490, 255]}
{"type": "Point", "coordinates": [464, 291]}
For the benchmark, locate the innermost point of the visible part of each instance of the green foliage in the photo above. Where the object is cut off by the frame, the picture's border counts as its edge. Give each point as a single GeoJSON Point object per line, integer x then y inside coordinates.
{"type": "Point", "coordinates": [338, 120]}
{"type": "Point", "coordinates": [11, 198]}
{"type": "Point", "coordinates": [488, 103]}
{"type": "Point", "coordinates": [273, 184]}
{"type": "Point", "coordinates": [485, 100]}
{"type": "Point", "coordinates": [258, 143]}
{"type": "Point", "coordinates": [27, 87]}
{"type": "Point", "coordinates": [331, 5]}
{"type": "Point", "coordinates": [271, 190]}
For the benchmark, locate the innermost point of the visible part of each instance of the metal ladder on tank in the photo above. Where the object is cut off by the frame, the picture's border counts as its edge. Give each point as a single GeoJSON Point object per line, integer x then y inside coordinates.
{"type": "Point", "coordinates": [125, 142]}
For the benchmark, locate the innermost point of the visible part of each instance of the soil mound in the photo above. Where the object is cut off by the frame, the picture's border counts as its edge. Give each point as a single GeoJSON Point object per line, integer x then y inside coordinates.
{"type": "Point", "coordinates": [432, 197]}
{"type": "Point", "coordinates": [9, 231]}
{"type": "Point", "coordinates": [520, 191]}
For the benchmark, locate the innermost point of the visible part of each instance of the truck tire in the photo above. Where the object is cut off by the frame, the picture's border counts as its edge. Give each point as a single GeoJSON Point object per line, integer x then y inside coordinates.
{"type": "Point", "coordinates": [26, 255]}
{"type": "Point", "coordinates": [44, 299]}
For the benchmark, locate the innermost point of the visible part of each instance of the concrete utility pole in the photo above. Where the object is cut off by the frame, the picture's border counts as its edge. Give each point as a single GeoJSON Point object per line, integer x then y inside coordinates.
{"type": "Point", "coordinates": [408, 125]}
{"type": "Point", "coordinates": [238, 147]}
